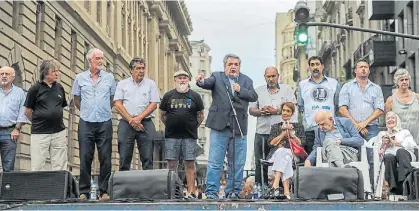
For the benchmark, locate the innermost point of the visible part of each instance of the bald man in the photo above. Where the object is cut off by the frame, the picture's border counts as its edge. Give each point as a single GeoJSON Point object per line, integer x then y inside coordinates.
{"type": "Point", "coordinates": [338, 138]}
{"type": "Point", "coordinates": [267, 110]}
{"type": "Point", "coordinates": [12, 117]}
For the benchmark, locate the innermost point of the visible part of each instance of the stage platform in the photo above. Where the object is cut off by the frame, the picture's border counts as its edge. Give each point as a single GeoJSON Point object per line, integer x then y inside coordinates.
{"type": "Point", "coordinates": [216, 205]}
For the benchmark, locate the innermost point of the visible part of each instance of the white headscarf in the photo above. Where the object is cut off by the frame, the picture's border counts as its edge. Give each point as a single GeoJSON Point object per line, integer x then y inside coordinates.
{"type": "Point", "coordinates": [397, 126]}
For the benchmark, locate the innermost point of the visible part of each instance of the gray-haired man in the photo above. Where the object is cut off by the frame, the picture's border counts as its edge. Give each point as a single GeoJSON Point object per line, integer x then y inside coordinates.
{"type": "Point", "coordinates": [44, 107]}
{"type": "Point", "coordinates": [135, 100]}
{"type": "Point", "coordinates": [11, 117]}
{"type": "Point", "coordinates": [93, 91]}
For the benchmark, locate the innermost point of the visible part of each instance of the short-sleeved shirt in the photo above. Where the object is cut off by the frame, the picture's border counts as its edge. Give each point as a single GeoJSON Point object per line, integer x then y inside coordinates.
{"type": "Point", "coordinates": [11, 107]}
{"type": "Point", "coordinates": [361, 105]}
{"type": "Point", "coordinates": [181, 113]}
{"type": "Point", "coordinates": [47, 105]}
{"type": "Point", "coordinates": [95, 105]}
{"type": "Point", "coordinates": [137, 97]}
{"type": "Point", "coordinates": [283, 94]}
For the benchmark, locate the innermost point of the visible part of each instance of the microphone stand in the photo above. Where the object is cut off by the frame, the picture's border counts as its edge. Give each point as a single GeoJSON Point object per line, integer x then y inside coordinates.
{"type": "Point", "coordinates": [232, 139]}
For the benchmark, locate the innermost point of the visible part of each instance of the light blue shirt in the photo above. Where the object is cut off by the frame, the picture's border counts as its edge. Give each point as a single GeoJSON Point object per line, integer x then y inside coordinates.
{"type": "Point", "coordinates": [11, 107]}
{"type": "Point", "coordinates": [95, 98]}
{"type": "Point", "coordinates": [360, 104]}
{"type": "Point", "coordinates": [137, 97]}
{"type": "Point", "coordinates": [333, 135]}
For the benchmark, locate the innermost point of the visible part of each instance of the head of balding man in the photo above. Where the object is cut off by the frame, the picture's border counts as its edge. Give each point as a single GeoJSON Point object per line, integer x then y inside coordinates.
{"type": "Point", "coordinates": [7, 76]}
{"type": "Point", "coordinates": [271, 76]}
{"type": "Point", "coordinates": [325, 120]}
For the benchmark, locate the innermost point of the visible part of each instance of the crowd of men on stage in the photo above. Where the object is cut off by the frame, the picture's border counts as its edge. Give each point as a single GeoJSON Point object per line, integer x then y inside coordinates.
{"type": "Point", "coordinates": [360, 102]}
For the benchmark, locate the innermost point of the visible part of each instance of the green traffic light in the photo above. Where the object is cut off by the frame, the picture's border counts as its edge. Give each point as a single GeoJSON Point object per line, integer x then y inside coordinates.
{"type": "Point", "coordinates": [302, 38]}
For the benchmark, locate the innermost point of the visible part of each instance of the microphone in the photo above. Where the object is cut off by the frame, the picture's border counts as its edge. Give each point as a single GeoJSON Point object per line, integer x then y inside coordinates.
{"type": "Point", "coordinates": [235, 78]}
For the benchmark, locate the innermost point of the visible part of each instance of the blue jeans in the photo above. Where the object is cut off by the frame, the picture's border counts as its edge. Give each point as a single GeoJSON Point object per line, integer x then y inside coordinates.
{"type": "Point", "coordinates": [7, 150]}
{"type": "Point", "coordinates": [220, 143]}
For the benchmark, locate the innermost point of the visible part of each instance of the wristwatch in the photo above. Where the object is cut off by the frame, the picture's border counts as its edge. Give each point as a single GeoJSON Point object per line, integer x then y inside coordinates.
{"type": "Point", "coordinates": [18, 128]}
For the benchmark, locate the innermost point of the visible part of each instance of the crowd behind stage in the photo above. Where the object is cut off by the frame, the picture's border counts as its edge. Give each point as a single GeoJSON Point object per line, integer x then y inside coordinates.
{"type": "Point", "coordinates": [337, 119]}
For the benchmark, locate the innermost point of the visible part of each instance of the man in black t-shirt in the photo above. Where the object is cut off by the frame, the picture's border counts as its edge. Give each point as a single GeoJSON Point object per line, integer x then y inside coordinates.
{"type": "Point", "coordinates": [181, 110]}
{"type": "Point", "coordinates": [44, 107]}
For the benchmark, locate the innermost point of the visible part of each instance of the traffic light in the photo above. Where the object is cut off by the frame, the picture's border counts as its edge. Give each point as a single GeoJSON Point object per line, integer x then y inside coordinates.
{"type": "Point", "coordinates": [301, 18]}
{"type": "Point", "coordinates": [301, 33]}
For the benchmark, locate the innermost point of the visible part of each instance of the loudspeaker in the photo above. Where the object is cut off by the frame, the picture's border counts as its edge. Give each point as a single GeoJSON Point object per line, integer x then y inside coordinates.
{"type": "Point", "coordinates": [328, 183]}
{"type": "Point", "coordinates": [38, 185]}
{"type": "Point", "coordinates": [145, 185]}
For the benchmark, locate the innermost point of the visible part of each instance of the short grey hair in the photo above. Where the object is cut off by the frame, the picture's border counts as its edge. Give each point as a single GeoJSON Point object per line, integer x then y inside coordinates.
{"type": "Point", "coordinates": [46, 66]}
{"type": "Point", "coordinates": [90, 53]}
{"type": "Point", "coordinates": [401, 73]}
{"type": "Point", "coordinates": [230, 56]}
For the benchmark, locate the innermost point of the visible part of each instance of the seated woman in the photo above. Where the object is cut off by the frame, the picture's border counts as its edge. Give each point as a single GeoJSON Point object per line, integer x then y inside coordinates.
{"type": "Point", "coordinates": [282, 157]}
{"type": "Point", "coordinates": [398, 153]}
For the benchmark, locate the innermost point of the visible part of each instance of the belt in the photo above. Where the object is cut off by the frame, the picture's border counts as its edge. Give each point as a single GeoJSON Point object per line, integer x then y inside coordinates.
{"type": "Point", "coordinates": [7, 127]}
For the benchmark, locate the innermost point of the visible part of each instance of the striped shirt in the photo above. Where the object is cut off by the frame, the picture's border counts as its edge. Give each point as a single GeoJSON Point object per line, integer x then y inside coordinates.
{"type": "Point", "coordinates": [361, 104]}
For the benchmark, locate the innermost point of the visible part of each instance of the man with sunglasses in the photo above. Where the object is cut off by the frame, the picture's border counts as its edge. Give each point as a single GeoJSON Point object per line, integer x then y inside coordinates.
{"type": "Point", "coordinates": [135, 100]}
{"type": "Point", "coordinates": [318, 92]}
{"type": "Point", "coordinates": [267, 111]}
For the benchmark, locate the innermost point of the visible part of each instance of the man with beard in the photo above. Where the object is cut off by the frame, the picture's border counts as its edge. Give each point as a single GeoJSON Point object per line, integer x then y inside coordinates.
{"type": "Point", "coordinates": [44, 107]}
{"type": "Point", "coordinates": [362, 102]}
{"type": "Point", "coordinates": [181, 123]}
{"type": "Point", "coordinates": [12, 117]}
{"type": "Point", "coordinates": [316, 93]}
{"type": "Point", "coordinates": [267, 110]}
{"type": "Point", "coordinates": [239, 87]}
{"type": "Point", "coordinates": [135, 100]}
{"type": "Point", "coordinates": [93, 91]}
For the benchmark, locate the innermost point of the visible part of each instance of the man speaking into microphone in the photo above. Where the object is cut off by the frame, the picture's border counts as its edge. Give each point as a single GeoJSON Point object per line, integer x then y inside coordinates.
{"type": "Point", "coordinates": [230, 84]}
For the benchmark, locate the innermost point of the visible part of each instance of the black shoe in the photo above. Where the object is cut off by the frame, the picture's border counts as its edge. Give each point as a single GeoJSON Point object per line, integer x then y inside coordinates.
{"type": "Point", "coordinates": [279, 194]}
{"type": "Point", "coordinates": [192, 196]}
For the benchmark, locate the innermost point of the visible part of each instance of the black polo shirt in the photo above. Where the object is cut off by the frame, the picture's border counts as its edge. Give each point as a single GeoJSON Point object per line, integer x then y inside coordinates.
{"type": "Point", "coordinates": [47, 105]}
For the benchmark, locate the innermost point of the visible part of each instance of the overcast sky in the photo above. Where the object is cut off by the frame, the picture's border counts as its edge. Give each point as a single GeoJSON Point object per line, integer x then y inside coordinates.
{"type": "Point", "coordinates": [242, 27]}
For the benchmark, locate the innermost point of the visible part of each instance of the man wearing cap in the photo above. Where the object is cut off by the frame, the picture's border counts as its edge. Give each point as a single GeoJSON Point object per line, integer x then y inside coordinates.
{"type": "Point", "coordinates": [182, 113]}
{"type": "Point", "coordinates": [135, 100]}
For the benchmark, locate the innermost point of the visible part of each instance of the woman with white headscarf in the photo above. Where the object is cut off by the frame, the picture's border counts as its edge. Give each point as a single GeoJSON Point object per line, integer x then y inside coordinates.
{"type": "Point", "coordinates": [405, 103]}
{"type": "Point", "coordinates": [398, 154]}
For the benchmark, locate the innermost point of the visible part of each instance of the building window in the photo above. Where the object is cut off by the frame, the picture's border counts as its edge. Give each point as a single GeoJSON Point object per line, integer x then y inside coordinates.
{"type": "Point", "coordinates": [16, 16]}
{"type": "Point", "coordinates": [123, 25]}
{"type": "Point", "coordinates": [40, 11]}
{"type": "Point", "coordinates": [87, 48]}
{"type": "Point", "coordinates": [99, 12]}
{"type": "Point", "coordinates": [73, 50]}
{"type": "Point", "coordinates": [58, 37]}
{"type": "Point", "coordinates": [108, 17]}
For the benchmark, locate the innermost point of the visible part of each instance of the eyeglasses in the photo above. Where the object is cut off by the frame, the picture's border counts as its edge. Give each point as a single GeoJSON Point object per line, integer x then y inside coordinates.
{"type": "Point", "coordinates": [5, 74]}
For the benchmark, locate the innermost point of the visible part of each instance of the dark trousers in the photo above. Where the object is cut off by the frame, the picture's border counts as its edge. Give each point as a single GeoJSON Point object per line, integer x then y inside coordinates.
{"type": "Point", "coordinates": [126, 137]}
{"type": "Point", "coordinates": [309, 144]}
{"type": "Point", "coordinates": [7, 150]}
{"type": "Point", "coordinates": [396, 174]}
{"type": "Point", "coordinates": [260, 141]}
{"type": "Point", "coordinates": [91, 133]}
